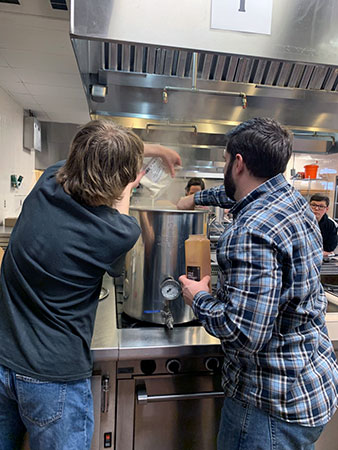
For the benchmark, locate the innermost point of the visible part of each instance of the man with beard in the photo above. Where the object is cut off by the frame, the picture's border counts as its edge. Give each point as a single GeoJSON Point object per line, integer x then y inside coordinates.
{"type": "Point", "coordinates": [280, 374]}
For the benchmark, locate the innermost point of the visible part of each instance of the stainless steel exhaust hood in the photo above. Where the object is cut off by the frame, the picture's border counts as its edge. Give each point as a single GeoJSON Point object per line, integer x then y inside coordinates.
{"type": "Point", "coordinates": [196, 82]}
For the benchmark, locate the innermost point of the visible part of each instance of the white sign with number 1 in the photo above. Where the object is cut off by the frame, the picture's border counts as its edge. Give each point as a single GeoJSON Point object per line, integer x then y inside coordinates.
{"type": "Point", "coordinates": [252, 16]}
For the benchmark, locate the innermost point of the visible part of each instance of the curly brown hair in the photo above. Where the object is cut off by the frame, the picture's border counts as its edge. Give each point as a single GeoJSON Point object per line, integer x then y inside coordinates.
{"type": "Point", "coordinates": [104, 157]}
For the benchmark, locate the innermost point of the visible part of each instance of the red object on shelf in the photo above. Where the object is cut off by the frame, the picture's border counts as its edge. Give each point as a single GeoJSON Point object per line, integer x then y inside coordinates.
{"type": "Point", "coordinates": [311, 170]}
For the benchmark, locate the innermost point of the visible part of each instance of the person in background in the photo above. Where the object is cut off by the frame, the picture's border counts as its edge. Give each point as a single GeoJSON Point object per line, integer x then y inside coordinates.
{"type": "Point", "coordinates": [280, 373]}
{"type": "Point", "coordinates": [74, 227]}
{"type": "Point", "coordinates": [320, 204]}
{"type": "Point", "coordinates": [194, 185]}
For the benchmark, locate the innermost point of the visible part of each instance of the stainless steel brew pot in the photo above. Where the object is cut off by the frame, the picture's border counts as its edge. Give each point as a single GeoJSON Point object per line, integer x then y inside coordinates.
{"type": "Point", "coordinates": [152, 292]}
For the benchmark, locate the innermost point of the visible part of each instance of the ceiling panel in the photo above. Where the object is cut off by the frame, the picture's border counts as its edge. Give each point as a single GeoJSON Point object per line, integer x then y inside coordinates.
{"type": "Point", "coordinates": [25, 100]}
{"type": "Point", "coordinates": [14, 87]}
{"type": "Point", "coordinates": [38, 8]}
{"type": "Point", "coordinates": [39, 60]}
{"type": "Point", "coordinates": [38, 68]}
{"type": "Point", "coordinates": [46, 78]}
{"type": "Point", "coordinates": [29, 38]}
{"type": "Point", "coordinates": [70, 116]}
{"type": "Point", "coordinates": [58, 102]}
{"type": "Point", "coordinates": [3, 62]}
{"type": "Point", "coordinates": [54, 91]}
{"type": "Point", "coordinates": [8, 74]}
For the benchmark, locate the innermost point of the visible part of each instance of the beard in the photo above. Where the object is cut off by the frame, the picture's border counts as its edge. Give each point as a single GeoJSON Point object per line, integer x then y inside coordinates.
{"type": "Point", "coordinates": [229, 185]}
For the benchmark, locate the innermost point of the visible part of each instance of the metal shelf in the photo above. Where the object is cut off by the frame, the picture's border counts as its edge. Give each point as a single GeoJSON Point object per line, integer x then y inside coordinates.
{"type": "Point", "coordinates": [307, 192]}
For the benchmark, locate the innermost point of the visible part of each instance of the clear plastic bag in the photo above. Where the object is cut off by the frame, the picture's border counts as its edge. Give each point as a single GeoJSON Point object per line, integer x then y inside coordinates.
{"type": "Point", "coordinates": [156, 178]}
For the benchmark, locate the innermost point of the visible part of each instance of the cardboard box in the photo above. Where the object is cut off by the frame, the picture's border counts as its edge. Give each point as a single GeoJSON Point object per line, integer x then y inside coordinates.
{"type": "Point", "coordinates": [10, 221]}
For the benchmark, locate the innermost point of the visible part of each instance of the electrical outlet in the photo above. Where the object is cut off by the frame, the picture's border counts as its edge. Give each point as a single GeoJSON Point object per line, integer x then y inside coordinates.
{"type": "Point", "coordinates": [5, 203]}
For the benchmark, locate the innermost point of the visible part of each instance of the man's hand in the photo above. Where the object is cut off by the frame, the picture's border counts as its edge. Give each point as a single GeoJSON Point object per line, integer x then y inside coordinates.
{"type": "Point", "coordinates": [170, 158]}
{"type": "Point", "coordinates": [187, 202]}
{"type": "Point", "coordinates": [190, 287]}
{"type": "Point", "coordinates": [135, 183]}
{"type": "Point", "coordinates": [122, 205]}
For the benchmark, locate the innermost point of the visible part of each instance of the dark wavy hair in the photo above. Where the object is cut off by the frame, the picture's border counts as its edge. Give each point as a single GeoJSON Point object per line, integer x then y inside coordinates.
{"type": "Point", "coordinates": [264, 144]}
{"type": "Point", "coordinates": [195, 182]}
{"type": "Point", "coordinates": [104, 157]}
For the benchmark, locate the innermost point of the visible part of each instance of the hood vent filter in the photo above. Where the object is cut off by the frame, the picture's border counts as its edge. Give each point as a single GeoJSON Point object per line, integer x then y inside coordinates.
{"type": "Point", "coordinates": [219, 67]}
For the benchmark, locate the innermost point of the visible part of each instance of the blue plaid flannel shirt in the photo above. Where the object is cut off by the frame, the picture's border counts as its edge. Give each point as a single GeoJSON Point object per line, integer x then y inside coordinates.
{"type": "Point", "coordinates": [270, 308]}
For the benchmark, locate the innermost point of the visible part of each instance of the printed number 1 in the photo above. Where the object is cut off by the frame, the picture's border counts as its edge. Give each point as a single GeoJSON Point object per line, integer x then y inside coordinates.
{"type": "Point", "coordinates": [242, 6]}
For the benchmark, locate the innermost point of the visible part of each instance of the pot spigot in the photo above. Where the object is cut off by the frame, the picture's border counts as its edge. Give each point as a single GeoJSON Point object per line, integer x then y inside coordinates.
{"type": "Point", "coordinates": [167, 316]}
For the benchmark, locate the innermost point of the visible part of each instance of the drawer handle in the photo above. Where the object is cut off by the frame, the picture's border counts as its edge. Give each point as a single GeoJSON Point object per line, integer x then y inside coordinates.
{"type": "Point", "coordinates": [143, 398]}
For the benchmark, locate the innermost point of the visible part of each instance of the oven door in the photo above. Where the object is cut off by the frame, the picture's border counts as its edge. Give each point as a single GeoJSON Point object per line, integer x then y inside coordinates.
{"type": "Point", "coordinates": [170, 412]}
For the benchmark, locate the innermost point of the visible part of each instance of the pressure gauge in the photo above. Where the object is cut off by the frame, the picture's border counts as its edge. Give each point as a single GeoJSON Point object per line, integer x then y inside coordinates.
{"type": "Point", "coordinates": [170, 289]}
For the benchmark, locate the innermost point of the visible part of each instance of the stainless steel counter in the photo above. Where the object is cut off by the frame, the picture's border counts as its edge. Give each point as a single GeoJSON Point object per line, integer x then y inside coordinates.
{"type": "Point", "coordinates": [105, 337]}
{"type": "Point", "coordinates": [110, 343]}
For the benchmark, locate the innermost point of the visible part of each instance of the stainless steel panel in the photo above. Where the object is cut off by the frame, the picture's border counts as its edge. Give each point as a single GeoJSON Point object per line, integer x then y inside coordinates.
{"type": "Point", "coordinates": [295, 108]}
{"type": "Point", "coordinates": [242, 69]}
{"type": "Point", "coordinates": [333, 75]}
{"type": "Point", "coordinates": [126, 58]}
{"type": "Point", "coordinates": [182, 59]}
{"type": "Point", "coordinates": [104, 421]}
{"type": "Point", "coordinates": [105, 339]}
{"type": "Point", "coordinates": [219, 67]}
{"type": "Point", "coordinates": [302, 30]}
{"type": "Point", "coordinates": [285, 73]}
{"type": "Point", "coordinates": [296, 75]}
{"type": "Point", "coordinates": [299, 54]}
{"type": "Point", "coordinates": [248, 69]}
{"type": "Point", "coordinates": [318, 77]}
{"type": "Point", "coordinates": [125, 415]}
{"type": "Point", "coordinates": [151, 60]}
{"type": "Point", "coordinates": [157, 342]}
{"type": "Point", "coordinates": [259, 72]}
{"type": "Point", "coordinates": [232, 68]}
{"type": "Point", "coordinates": [160, 59]}
{"type": "Point", "coordinates": [306, 76]}
{"type": "Point", "coordinates": [168, 62]}
{"type": "Point", "coordinates": [191, 422]}
{"type": "Point", "coordinates": [138, 58]}
{"type": "Point", "coordinates": [207, 66]}
{"type": "Point", "coordinates": [272, 72]}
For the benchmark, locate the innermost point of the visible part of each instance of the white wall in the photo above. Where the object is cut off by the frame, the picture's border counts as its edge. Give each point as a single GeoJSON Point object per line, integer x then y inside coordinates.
{"type": "Point", "coordinates": [14, 159]}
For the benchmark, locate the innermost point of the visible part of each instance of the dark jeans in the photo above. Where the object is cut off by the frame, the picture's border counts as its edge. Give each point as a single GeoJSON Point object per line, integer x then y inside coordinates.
{"type": "Point", "coordinates": [57, 416]}
{"type": "Point", "coordinates": [245, 427]}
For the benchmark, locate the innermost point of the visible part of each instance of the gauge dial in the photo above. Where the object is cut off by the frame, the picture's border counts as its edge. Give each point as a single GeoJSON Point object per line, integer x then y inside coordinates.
{"type": "Point", "coordinates": [170, 289]}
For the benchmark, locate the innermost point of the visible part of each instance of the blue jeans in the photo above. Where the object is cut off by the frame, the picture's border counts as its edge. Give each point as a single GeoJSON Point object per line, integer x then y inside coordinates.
{"type": "Point", "coordinates": [245, 427]}
{"type": "Point", "coordinates": [57, 416]}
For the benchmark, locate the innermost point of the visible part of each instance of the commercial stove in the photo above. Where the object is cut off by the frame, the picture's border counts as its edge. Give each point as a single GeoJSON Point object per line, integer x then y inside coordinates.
{"type": "Point", "coordinates": [146, 375]}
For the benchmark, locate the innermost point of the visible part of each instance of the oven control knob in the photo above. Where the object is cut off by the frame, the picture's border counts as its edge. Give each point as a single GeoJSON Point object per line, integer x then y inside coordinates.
{"type": "Point", "coordinates": [212, 364]}
{"type": "Point", "coordinates": [173, 365]}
